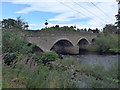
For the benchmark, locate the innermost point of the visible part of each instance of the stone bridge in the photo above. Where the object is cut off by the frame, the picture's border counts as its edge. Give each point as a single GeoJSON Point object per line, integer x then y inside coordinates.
{"type": "Point", "coordinates": [60, 40]}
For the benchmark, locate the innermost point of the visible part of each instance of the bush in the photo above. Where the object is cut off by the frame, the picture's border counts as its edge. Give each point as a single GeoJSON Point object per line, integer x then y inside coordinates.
{"type": "Point", "coordinates": [69, 61]}
{"type": "Point", "coordinates": [9, 58]}
{"type": "Point", "coordinates": [49, 56]}
{"type": "Point", "coordinates": [14, 45]}
{"type": "Point", "coordinates": [108, 43]}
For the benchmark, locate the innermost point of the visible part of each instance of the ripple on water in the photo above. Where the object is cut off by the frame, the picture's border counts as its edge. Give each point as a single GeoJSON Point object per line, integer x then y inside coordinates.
{"type": "Point", "coordinates": [105, 60]}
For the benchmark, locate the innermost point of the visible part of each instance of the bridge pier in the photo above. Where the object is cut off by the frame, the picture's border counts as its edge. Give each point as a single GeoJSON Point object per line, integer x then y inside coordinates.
{"type": "Point", "coordinates": [72, 50]}
{"type": "Point", "coordinates": [46, 50]}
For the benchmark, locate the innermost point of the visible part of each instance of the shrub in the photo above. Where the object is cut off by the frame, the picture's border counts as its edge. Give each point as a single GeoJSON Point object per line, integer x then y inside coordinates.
{"type": "Point", "coordinates": [14, 46]}
{"type": "Point", "coordinates": [69, 61]}
{"type": "Point", "coordinates": [107, 43]}
{"type": "Point", "coordinates": [13, 43]}
{"type": "Point", "coordinates": [9, 58]}
{"type": "Point", "coordinates": [49, 56]}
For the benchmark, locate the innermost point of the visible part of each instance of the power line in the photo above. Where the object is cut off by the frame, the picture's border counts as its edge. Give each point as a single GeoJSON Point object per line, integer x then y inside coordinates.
{"type": "Point", "coordinates": [76, 10]}
{"type": "Point", "coordinates": [89, 11]}
{"type": "Point", "coordinates": [72, 8]}
{"type": "Point", "coordinates": [100, 10]}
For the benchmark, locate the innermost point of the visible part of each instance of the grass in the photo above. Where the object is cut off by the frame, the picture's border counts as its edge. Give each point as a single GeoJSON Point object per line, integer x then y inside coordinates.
{"type": "Point", "coordinates": [41, 78]}
{"type": "Point", "coordinates": [69, 61]}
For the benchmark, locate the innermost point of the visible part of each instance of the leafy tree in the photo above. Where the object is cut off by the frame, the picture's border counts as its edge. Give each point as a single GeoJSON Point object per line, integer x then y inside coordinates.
{"type": "Point", "coordinates": [89, 30]}
{"type": "Point", "coordinates": [107, 43]}
{"type": "Point", "coordinates": [14, 24]}
{"type": "Point", "coordinates": [66, 28]}
{"type": "Point", "coordinates": [57, 28]}
{"type": "Point", "coordinates": [85, 29]}
{"type": "Point", "coordinates": [96, 30]}
{"type": "Point", "coordinates": [8, 23]}
{"type": "Point", "coordinates": [71, 27]}
{"type": "Point", "coordinates": [109, 29]}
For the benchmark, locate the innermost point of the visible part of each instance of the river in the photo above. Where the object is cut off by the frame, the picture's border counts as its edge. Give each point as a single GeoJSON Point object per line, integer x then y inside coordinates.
{"type": "Point", "coordinates": [92, 59]}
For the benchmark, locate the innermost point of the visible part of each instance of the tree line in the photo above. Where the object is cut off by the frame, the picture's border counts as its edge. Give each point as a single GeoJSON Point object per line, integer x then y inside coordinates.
{"type": "Point", "coordinates": [20, 24]}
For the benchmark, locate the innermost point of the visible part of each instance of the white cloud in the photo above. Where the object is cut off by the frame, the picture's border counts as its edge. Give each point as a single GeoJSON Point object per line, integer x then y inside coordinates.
{"type": "Point", "coordinates": [60, 0]}
{"type": "Point", "coordinates": [71, 11]}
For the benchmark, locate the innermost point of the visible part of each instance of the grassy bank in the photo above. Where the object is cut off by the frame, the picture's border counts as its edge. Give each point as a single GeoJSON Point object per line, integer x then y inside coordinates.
{"type": "Point", "coordinates": [68, 75]}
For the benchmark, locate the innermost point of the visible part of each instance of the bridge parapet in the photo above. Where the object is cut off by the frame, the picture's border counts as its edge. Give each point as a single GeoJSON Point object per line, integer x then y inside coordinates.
{"type": "Point", "coordinates": [39, 33]}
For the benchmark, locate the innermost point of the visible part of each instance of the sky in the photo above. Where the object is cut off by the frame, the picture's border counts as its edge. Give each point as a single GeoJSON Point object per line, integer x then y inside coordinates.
{"type": "Point", "coordinates": [79, 13]}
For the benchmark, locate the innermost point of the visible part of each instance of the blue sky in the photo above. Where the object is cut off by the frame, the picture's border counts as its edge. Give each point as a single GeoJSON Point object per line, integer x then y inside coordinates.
{"type": "Point", "coordinates": [62, 13]}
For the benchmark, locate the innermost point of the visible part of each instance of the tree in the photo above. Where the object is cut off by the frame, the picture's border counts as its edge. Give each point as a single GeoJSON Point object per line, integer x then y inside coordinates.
{"type": "Point", "coordinates": [8, 23]}
{"type": "Point", "coordinates": [14, 24]}
{"type": "Point", "coordinates": [57, 26]}
{"type": "Point", "coordinates": [85, 29]}
{"type": "Point", "coordinates": [71, 27]}
{"type": "Point", "coordinates": [110, 29]}
{"type": "Point", "coordinates": [89, 30]}
{"type": "Point", "coordinates": [96, 30]}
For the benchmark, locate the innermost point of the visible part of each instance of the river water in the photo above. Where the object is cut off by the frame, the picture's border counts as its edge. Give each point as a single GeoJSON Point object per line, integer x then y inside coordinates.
{"type": "Point", "coordinates": [92, 59]}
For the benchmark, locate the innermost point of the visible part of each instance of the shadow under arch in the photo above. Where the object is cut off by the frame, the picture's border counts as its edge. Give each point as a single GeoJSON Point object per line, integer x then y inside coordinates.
{"type": "Point", "coordinates": [61, 46]}
{"type": "Point", "coordinates": [93, 40]}
{"type": "Point", "coordinates": [83, 44]}
{"type": "Point", "coordinates": [36, 49]}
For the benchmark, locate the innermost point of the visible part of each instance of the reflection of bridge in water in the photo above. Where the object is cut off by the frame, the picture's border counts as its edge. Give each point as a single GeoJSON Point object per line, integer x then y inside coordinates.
{"type": "Point", "coordinates": [60, 41]}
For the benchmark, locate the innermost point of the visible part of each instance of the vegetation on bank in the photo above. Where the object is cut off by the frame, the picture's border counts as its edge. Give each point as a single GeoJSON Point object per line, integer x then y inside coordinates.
{"type": "Point", "coordinates": [60, 77]}
{"type": "Point", "coordinates": [106, 44]}
{"type": "Point", "coordinates": [107, 41]}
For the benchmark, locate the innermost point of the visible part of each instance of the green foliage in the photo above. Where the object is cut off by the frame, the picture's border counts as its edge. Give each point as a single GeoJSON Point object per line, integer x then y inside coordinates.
{"type": "Point", "coordinates": [12, 43]}
{"type": "Point", "coordinates": [110, 29]}
{"type": "Point", "coordinates": [69, 61]}
{"type": "Point", "coordinates": [96, 76]}
{"type": "Point", "coordinates": [13, 46]}
{"type": "Point", "coordinates": [0, 42]}
{"type": "Point", "coordinates": [37, 58]}
{"type": "Point", "coordinates": [49, 56]}
{"type": "Point", "coordinates": [57, 28]}
{"type": "Point", "coordinates": [14, 24]}
{"type": "Point", "coordinates": [9, 58]}
{"type": "Point", "coordinates": [107, 43]}
{"type": "Point", "coordinates": [36, 78]}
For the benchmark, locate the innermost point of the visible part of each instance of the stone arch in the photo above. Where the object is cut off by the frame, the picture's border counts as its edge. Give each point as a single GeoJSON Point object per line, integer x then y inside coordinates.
{"type": "Point", "coordinates": [93, 40]}
{"type": "Point", "coordinates": [83, 43]}
{"type": "Point", "coordinates": [36, 49]}
{"type": "Point", "coordinates": [61, 45]}
{"type": "Point", "coordinates": [60, 40]}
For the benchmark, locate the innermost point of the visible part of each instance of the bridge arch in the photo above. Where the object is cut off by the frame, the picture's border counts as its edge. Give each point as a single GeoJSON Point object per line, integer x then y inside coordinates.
{"type": "Point", "coordinates": [61, 44]}
{"type": "Point", "coordinates": [83, 43]}
{"type": "Point", "coordinates": [36, 49]}
{"type": "Point", "coordinates": [93, 40]}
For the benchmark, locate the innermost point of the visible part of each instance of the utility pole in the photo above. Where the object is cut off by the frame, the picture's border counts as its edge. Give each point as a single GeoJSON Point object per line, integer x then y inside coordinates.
{"type": "Point", "coordinates": [118, 17]}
